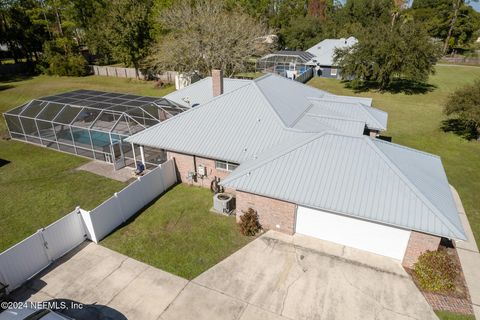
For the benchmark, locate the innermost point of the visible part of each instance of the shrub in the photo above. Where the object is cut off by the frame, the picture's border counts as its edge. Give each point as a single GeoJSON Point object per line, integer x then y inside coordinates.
{"type": "Point", "coordinates": [435, 271]}
{"type": "Point", "coordinates": [249, 224]}
{"type": "Point", "coordinates": [70, 65]}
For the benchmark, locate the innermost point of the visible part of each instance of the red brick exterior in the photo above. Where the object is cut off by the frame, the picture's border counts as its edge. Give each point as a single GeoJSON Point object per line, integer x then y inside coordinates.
{"type": "Point", "coordinates": [273, 214]}
{"type": "Point", "coordinates": [448, 303]}
{"type": "Point", "coordinates": [217, 82]}
{"type": "Point", "coordinates": [418, 244]}
{"type": "Point", "coordinates": [186, 163]}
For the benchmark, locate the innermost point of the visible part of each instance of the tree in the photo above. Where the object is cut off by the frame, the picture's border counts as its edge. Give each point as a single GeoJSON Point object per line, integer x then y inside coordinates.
{"type": "Point", "coordinates": [207, 35]}
{"type": "Point", "coordinates": [123, 29]}
{"type": "Point", "coordinates": [385, 53]}
{"type": "Point", "coordinates": [452, 21]}
{"type": "Point", "coordinates": [464, 105]}
{"type": "Point", "coordinates": [302, 33]}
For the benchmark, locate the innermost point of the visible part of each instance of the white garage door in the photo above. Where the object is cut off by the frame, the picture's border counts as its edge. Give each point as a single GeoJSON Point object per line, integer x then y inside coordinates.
{"type": "Point", "coordinates": [368, 236]}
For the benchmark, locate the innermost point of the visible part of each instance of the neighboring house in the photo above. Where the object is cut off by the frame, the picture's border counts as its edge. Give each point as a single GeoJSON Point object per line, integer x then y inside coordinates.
{"type": "Point", "coordinates": [292, 64]}
{"type": "Point", "coordinates": [324, 53]}
{"type": "Point", "coordinates": [307, 162]}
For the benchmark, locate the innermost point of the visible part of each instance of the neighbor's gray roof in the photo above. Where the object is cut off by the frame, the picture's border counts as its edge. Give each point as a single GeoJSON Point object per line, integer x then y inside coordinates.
{"type": "Point", "coordinates": [356, 176]}
{"type": "Point", "coordinates": [303, 55]}
{"type": "Point", "coordinates": [325, 50]}
{"type": "Point", "coordinates": [243, 123]}
{"type": "Point", "coordinates": [201, 91]}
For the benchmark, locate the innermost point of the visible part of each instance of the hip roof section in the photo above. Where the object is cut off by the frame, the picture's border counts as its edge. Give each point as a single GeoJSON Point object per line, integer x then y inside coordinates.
{"type": "Point", "coordinates": [359, 177]}
{"type": "Point", "coordinates": [241, 124]}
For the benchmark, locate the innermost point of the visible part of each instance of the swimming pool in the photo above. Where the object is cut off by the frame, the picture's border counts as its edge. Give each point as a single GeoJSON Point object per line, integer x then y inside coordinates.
{"type": "Point", "coordinates": [99, 139]}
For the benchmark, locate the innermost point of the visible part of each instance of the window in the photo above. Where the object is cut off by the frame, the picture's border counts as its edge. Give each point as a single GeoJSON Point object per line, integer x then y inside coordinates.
{"type": "Point", "coordinates": [224, 165]}
{"type": "Point", "coordinates": [333, 72]}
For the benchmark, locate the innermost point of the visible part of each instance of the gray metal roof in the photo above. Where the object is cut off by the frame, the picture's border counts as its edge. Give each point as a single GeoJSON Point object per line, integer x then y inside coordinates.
{"type": "Point", "coordinates": [315, 123]}
{"type": "Point", "coordinates": [324, 51]}
{"type": "Point", "coordinates": [201, 91]}
{"type": "Point", "coordinates": [329, 106]}
{"type": "Point", "coordinates": [351, 99]}
{"type": "Point", "coordinates": [356, 176]}
{"type": "Point", "coordinates": [245, 122]}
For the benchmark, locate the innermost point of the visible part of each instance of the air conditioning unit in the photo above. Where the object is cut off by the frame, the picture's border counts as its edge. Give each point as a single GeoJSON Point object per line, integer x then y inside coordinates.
{"type": "Point", "coordinates": [223, 203]}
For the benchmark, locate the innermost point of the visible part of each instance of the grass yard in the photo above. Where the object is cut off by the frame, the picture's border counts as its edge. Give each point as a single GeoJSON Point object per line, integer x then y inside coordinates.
{"type": "Point", "coordinates": [39, 185]}
{"type": "Point", "coordinates": [179, 234]}
{"type": "Point", "coordinates": [445, 315]}
{"type": "Point", "coordinates": [415, 120]}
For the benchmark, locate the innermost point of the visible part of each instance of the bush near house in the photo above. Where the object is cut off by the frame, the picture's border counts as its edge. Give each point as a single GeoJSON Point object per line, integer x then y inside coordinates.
{"type": "Point", "coordinates": [249, 224]}
{"type": "Point", "coordinates": [436, 271]}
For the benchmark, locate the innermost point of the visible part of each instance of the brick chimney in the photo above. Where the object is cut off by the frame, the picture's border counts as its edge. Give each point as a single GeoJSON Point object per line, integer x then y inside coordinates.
{"type": "Point", "coordinates": [217, 82]}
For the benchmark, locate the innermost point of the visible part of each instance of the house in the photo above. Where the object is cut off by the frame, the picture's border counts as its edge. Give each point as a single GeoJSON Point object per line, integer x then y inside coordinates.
{"type": "Point", "coordinates": [308, 162]}
{"type": "Point", "coordinates": [324, 53]}
{"type": "Point", "coordinates": [292, 64]}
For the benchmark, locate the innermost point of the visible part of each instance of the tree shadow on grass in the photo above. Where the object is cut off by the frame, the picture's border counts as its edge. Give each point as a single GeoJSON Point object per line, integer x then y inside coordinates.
{"type": "Point", "coordinates": [5, 87]}
{"type": "Point", "coordinates": [3, 162]}
{"type": "Point", "coordinates": [10, 78]}
{"type": "Point", "coordinates": [408, 87]}
{"type": "Point", "coordinates": [461, 128]}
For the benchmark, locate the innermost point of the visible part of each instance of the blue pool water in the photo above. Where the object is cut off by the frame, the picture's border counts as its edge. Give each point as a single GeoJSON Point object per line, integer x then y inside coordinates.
{"type": "Point", "coordinates": [99, 139]}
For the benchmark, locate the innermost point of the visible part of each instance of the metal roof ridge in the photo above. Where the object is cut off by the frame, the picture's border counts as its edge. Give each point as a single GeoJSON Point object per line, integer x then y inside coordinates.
{"type": "Point", "coordinates": [262, 94]}
{"type": "Point", "coordinates": [419, 194]}
{"type": "Point", "coordinates": [408, 148]}
{"type": "Point", "coordinates": [191, 109]}
{"type": "Point", "coordinates": [362, 106]}
{"type": "Point", "coordinates": [333, 117]}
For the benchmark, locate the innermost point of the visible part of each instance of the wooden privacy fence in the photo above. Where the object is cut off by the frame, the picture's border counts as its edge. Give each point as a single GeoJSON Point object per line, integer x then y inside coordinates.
{"type": "Point", "coordinates": [25, 259]}
{"type": "Point", "coordinates": [119, 72]}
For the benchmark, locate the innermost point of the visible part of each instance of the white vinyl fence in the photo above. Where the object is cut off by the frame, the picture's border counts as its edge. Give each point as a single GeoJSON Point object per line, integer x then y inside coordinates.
{"type": "Point", "coordinates": [124, 204]}
{"type": "Point", "coordinates": [30, 256]}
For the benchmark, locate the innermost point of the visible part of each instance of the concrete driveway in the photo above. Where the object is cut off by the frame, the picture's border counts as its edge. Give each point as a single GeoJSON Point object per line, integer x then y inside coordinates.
{"type": "Point", "coordinates": [111, 285]}
{"type": "Point", "coordinates": [282, 277]}
{"type": "Point", "coordinates": [274, 277]}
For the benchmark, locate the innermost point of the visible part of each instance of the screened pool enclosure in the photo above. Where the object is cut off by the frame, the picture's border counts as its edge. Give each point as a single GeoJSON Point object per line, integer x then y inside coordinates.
{"type": "Point", "coordinates": [92, 124]}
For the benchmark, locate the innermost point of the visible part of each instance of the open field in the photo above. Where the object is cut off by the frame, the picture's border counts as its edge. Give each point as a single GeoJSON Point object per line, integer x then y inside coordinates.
{"type": "Point", "coordinates": [179, 234]}
{"type": "Point", "coordinates": [415, 120]}
{"type": "Point", "coordinates": [39, 185]}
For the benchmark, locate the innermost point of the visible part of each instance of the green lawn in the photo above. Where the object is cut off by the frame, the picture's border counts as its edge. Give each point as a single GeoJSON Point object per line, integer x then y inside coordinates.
{"type": "Point", "coordinates": [39, 185]}
{"type": "Point", "coordinates": [445, 315]}
{"type": "Point", "coordinates": [414, 121]}
{"type": "Point", "coordinates": [179, 234]}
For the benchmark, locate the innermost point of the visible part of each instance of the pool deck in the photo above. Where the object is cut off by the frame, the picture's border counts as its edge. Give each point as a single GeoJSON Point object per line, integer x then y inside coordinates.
{"type": "Point", "coordinates": [106, 170]}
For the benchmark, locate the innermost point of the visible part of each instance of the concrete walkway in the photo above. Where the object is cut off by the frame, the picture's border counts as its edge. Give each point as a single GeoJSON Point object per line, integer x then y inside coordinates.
{"type": "Point", "coordinates": [469, 257]}
{"type": "Point", "coordinates": [106, 170]}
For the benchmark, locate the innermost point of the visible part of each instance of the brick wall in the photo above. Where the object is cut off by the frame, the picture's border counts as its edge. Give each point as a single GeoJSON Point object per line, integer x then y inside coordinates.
{"type": "Point", "coordinates": [418, 244]}
{"type": "Point", "coordinates": [217, 82]}
{"type": "Point", "coordinates": [186, 163]}
{"type": "Point", "coordinates": [273, 214]}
